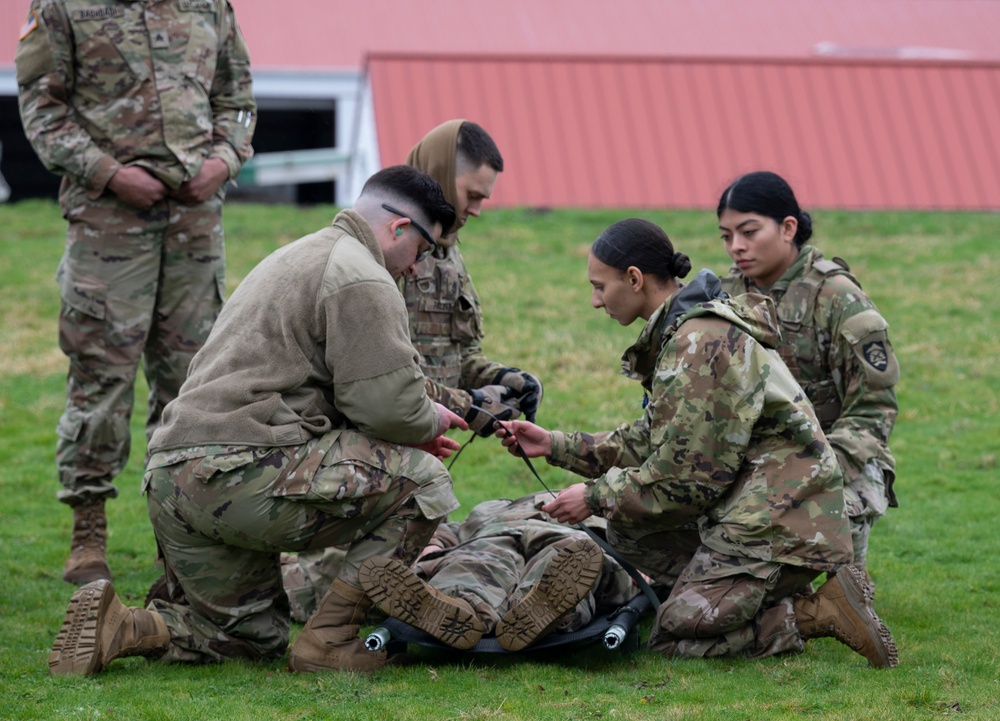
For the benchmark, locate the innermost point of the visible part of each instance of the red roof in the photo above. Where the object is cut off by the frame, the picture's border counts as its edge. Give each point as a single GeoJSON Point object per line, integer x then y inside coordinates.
{"type": "Point", "coordinates": [337, 34]}
{"type": "Point", "coordinates": [860, 103]}
{"type": "Point", "coordinates": [672, 132]}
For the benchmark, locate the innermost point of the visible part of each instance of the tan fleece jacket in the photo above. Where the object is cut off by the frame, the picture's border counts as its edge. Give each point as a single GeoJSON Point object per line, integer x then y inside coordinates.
{"type": "Point", "coordinates": [314, 338]}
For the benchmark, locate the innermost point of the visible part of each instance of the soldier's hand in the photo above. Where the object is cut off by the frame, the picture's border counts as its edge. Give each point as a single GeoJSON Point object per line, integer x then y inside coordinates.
{"type": "Point", "coordinates": [136, 187]}
{"type": "Point", "coordinates": [447, 419]}
{"type": "Point", "coordinates": [489, 404]}
{"type": "Point", "coordinates": [525, 437]}
{"type": "Point", "coordinates": [527, 389]}
{"type": "Point", "coordinates": [213, 173]}
{"type": "Point", "coordinates": [570, 506]}
{"type": "Point", "coordinates": [441, 447]}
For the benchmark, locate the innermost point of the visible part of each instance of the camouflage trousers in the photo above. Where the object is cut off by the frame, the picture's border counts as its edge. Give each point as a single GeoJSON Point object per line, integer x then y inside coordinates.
{"type": "Point", "coordinates": [223, 516]}
{"type": "Point", "coordinates": [136, 285]}
{"type": "Point", "coordinates": [867, 501]}
{"type": "Point", "coordinates": [307, 576]}
{"type": "Point", "coordinates": [725, 605]}
{"type": "Point", "coordinates": [495, 572]}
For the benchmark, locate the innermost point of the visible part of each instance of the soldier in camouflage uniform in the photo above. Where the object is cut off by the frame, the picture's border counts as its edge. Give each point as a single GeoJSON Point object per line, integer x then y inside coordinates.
{"type": "Point", "coordinates": [524, 574]}
{"type": "Point", "coordinates": [303, 423]}
{"type": "Point", "coordinates": [833, 339]}
{"type": "Point", "coordinates": [146, 109]}
{"type": "Point", "coordinates": [446, 324]}
{"type": "Point", "coordinates": [726, 481]}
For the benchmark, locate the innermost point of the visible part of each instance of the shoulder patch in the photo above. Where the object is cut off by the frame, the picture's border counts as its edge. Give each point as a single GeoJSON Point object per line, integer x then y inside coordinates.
{"type": "Point", "coordinates": [875, 353]}
{"type": "Point", "coordinates": [30, 25]}
{"type": "Point", "coordinates": [867, 334]}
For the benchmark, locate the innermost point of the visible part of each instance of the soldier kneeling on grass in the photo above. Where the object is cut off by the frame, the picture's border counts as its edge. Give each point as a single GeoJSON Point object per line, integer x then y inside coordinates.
{"type": "Point", "coordinates": [303, 424]}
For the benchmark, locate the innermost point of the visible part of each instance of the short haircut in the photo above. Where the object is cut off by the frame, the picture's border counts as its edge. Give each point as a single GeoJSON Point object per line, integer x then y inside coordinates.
{"type": "Point", "coordinates": [640, 243]}
{"type": "Point", "coordinates": [768, 194]}
{"type": "Point", "coordinates": [415, 187]}
{"type": "Point", "coordinates": [476, 148]}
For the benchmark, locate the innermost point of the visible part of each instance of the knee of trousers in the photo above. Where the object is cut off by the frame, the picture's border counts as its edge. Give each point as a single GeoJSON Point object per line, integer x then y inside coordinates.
{"type": "Point", "coordinates": [434, 494]}
{"type": "Point", "coordinates": [691, 615]}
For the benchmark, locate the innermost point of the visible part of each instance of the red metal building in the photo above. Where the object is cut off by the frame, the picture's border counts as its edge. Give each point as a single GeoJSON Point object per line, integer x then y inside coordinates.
{"type": "Point", "coordinates": [647, 103]}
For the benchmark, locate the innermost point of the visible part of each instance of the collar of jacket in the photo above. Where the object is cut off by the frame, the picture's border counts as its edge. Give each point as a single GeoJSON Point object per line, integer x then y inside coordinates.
{"type": "Point", "coordinates": [640, 358]}
{"type": "Point", "coordinates": [356, 226]}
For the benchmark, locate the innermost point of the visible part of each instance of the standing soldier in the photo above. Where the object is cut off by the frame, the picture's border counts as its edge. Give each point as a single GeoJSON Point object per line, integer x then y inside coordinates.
{"type": "Point", "coordinates": [145, 109]}
{"type": "Point", "coordinates": [303, 423]}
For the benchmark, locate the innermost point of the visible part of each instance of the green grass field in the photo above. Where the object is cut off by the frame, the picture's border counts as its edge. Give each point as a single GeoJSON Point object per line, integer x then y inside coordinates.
{"type": "Point", "coordinates": [934, 558]}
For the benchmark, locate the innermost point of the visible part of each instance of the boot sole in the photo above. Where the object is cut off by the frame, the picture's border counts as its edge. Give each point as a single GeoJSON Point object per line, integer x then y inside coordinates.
{"type": "Point", "coordinates": [858, 595]}
{"type": "Point", "coordinates": [400, 594]}
{"type": "Point", "coordinates": [75, 651]}
{"type": "Point", "coordinates": [569, 576]}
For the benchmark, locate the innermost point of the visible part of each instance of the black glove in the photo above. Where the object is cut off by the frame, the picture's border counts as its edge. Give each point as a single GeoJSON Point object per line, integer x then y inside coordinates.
{"type": "Point", "coordinates": [489, 404]}
{"type": "Point", "coordinates": [527, 390]}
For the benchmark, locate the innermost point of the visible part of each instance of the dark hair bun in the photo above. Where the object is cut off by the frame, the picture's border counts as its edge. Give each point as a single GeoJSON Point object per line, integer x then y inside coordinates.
{"type": "Point", "coordinates": [681, 265]}
{"type": "Point", "coordinates": [805, 228]}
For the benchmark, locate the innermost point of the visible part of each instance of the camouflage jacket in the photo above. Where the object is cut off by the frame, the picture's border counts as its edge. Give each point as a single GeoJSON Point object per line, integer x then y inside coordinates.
{"type": "Point", "coordinates": [728, 439]}
{"type": "Point", "coordinates": [157, 84]}
{"type": "Point", "coordinates": [836, 344]}
{"type": "Point", "coordinates": [446, 326]}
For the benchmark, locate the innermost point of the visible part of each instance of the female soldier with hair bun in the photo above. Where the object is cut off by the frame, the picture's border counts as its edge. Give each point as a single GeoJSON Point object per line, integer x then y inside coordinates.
{"type": "Point", "coordinates": [725, 489]}
{"type": "Point", "coordinates": [834, 340]}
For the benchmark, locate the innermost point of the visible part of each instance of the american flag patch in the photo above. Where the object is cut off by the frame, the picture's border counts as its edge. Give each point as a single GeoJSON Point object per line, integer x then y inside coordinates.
{"type": "Point", "coordinates": [29, 25]}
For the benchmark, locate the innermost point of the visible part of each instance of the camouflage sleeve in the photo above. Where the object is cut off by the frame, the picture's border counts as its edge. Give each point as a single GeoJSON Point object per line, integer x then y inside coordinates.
{"type": "Point", "coordinates": [46, 79]}
{"type": "Point", "coordinates": [707, 392]}
{"type": "Point", "coordinates": [866, 371]}
{"type": "Point", "coordinates": [234, 110]}
{"type": "Point", "coordinates": [454, 399]}
{"type": "Point", "coordinates": [477, 369]}
{"type": "Point", "coordinates": [593, 454]}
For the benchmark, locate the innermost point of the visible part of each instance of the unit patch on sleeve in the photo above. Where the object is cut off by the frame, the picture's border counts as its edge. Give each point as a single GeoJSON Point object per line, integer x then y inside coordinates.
{"type": "Point", "coordinates": [875, 354]}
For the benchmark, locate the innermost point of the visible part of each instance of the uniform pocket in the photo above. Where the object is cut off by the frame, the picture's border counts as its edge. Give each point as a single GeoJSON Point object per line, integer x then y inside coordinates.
{"type": "Point", "coordinates": [467, 320]}
{"type": "Point", "coordinates": [83, 292]}
{"type": "Point", "coordinates": [203, 42]}
{"type": "Point", "coordinates": [70, 424]}
{"type": "Point", "coordinates": [104, 47]}
{"type": "Point", "coordinates": [339, 466]}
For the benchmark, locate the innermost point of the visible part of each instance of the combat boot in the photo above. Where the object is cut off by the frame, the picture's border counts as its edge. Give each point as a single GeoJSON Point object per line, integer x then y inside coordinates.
{"type": "Point", "coordinates": [401, 594]}
{"type": "Point", "coordinates": [88, 554]}
{"type": "Point", "coordinates": [568, 577]}
{"type": "Point", "coordinates": [842, 609]}
{"type": "Point", "coordinates": [99, 628]}
{"type": "Point", "coordinates": [329, 640]}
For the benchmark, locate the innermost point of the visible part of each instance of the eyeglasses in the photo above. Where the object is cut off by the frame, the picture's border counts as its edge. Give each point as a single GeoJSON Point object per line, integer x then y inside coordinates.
{"type": "Point", "coordinates": [420, 229]}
